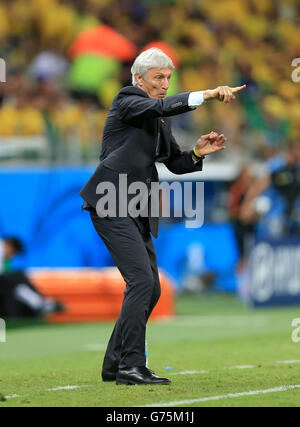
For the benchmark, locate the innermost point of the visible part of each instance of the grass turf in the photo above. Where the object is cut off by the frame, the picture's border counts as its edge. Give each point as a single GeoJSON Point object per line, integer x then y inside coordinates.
{"type": "Point", "coordinates": [212, 333]}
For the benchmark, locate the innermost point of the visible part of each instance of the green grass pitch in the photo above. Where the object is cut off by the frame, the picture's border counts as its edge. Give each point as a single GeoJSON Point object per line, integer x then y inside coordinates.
{"type": "Point", "coordinates": [232, 350]}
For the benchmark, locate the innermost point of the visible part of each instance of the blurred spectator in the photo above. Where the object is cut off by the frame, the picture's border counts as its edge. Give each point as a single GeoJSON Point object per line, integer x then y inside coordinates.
{"type": "Point", "coordinates": [4, 26]}
{"type": "Point", "coordinates": [49, 65]}
{"type": "Point", "coordinates": [19, 117]}
{"type": "Point", "coordinates": [198, 277]}
{"type": "Point", "coordinates": [9, 247]}
{"type": "Point", "coordinates": [244, 228]}
{"type": "Point", "coordinates": [282, 178]}
{"type": "Point", "coordinates": [81, 124]}
{"type": "Point", "coordinates": [18, 296]}
{"type": "Point", "coordinates": [230, 42]}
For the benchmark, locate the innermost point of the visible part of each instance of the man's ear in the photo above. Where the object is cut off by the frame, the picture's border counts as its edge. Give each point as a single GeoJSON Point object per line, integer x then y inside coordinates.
{"type": "Point", "coordinates": [139, 80]}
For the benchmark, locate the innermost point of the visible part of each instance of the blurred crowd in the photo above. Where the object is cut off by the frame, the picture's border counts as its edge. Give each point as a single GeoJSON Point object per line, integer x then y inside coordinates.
{"type": "Point", "coordinates": [214, 43]}
{"type": "Point", "coordinates": [267, 205]}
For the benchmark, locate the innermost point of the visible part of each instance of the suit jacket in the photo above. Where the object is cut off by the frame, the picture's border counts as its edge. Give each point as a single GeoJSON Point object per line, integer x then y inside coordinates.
{"type": "Point", "coordinates": [129, 144]}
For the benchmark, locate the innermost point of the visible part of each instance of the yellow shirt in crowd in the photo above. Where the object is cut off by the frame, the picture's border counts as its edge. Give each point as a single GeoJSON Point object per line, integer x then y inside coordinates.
{"type": "Point", "coordinates": [21, 122]}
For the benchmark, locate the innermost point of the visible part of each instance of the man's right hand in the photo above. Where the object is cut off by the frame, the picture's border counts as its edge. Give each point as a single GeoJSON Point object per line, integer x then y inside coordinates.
{"type": "Point", "coordinates": [209, 144]}
{"type": "Point", "coordinates": [223, 93]}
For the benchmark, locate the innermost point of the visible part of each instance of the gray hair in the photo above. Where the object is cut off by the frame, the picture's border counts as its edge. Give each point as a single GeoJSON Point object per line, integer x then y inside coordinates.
{"type": "Point", "coordinates": [151, 58]}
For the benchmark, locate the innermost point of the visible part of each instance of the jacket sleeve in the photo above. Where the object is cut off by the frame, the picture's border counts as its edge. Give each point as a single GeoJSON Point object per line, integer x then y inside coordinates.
{"type": "Point", "coordinates": [134, 106]}
{"type": "Point", "coordinates": [181, 162]}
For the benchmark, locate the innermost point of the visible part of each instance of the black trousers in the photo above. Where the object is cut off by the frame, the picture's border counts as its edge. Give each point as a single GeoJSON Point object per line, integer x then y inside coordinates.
{"type": "Point", "coordinates": [134, 255]}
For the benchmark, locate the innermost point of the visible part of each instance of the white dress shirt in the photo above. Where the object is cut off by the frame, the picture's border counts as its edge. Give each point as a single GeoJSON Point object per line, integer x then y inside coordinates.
{"type": "Point", "coordinates": [196, 99]}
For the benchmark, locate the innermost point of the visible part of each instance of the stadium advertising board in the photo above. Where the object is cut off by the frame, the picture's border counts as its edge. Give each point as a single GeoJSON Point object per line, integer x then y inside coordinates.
{"type": "Point", "coordinates": [274, 273]}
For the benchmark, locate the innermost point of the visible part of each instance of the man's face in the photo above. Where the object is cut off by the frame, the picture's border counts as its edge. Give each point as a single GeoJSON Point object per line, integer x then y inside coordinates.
{"type": "Point", "coordinates": [9, 251]}
{"type": "Point", "coordinates": [156, 82]}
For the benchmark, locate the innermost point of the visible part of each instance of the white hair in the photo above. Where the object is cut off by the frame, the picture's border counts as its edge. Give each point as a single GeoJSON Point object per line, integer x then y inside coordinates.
{"type": "Point", "coordinates": [151, 58]}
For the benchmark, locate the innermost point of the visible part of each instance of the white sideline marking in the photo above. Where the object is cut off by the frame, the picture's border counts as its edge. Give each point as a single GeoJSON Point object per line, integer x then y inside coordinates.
{"type": "Point", "coordinates": [242, 367]}
{"type": "Point", "coordinates": [235, 321]}
{"type": "Point", "coordinates": [225, 396]}
{"type": "Point", "coordinates": [200, 318]}
{"type": "Point", "coordinates": [206, 371]}
{"type": "Point", "coordinates": [282, 362]}
{"type": "Point", "coordinates": [95, 347]}
{"type": "Point", "coordinates": [13, 396]}
{"type": "Point", "coordinates": [68, 387]}
{"type": "Point", "coordinates": [189, 372]}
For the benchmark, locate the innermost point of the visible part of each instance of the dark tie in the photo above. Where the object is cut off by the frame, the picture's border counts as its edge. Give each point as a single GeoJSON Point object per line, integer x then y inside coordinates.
{"type": "Point", "coordinates": [158, 140]}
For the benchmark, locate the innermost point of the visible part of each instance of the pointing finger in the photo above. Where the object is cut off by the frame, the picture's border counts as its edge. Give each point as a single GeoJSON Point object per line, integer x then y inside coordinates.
{"type": "Point", "coordinates": [238, 88]}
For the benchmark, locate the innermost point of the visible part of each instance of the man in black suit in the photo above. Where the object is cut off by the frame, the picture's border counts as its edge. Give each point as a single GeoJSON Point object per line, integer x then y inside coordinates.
{"type": "Point", "coordinates": [137, 134]}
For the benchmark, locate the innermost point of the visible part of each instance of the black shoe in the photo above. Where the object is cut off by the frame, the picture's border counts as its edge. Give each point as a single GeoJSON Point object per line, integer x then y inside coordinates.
{"type": "Point", "coordinates": [139, 375]}
{"type": "Point", "coordinates": [108, 376]}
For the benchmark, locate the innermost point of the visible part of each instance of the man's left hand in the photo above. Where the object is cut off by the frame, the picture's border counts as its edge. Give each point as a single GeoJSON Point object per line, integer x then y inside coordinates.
{"type": "Point", "coordinates": [210, 143]}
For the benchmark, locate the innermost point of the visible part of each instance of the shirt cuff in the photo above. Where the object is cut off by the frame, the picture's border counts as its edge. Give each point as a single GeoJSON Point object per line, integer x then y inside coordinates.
{"type": "Point", "coordinates": [196, 99]}
{"type": "Point", "coordinates": [195, 160]}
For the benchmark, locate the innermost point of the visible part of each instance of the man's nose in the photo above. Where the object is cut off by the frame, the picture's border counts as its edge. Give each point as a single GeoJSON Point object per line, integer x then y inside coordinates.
{"type": "Point", "coordinates": [166, 84]}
